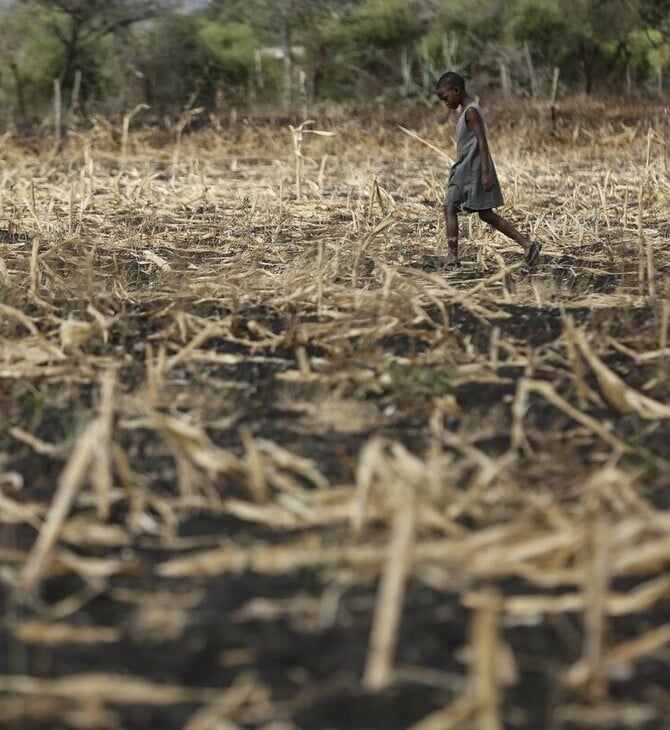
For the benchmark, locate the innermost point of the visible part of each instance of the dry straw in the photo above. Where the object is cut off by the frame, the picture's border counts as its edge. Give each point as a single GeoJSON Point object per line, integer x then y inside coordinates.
{"type": "Point", "coordinates": [255, 327]}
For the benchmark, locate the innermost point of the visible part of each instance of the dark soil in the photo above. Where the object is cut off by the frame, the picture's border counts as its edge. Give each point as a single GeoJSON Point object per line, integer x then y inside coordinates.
{"type": "Point", "coordinates": [311, 661]}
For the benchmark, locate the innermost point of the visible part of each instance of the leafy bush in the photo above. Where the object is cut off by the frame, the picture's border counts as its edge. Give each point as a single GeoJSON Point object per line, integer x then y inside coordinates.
{"type": "Point", "coordinates": [361, 50]}
{"type": "Point", "coordinates": [227, 49]}
{"type": "Point", "coordinates": [542, 25]}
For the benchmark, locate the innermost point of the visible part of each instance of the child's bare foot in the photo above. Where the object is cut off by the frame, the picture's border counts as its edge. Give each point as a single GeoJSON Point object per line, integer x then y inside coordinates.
{"type": "Point", "coordinates": [452, 261]}
{"type": "Point", "coordinates": [533, 253]}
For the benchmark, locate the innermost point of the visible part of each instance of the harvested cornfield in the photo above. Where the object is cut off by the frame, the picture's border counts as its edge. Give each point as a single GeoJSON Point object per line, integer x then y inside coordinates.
{"type": "Point", "coordinates": [265, 464]}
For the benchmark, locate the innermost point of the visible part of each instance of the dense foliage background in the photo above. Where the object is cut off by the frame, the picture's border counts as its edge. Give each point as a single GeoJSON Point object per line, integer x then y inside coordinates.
{"type": "Point", "coordinates": [282, 56]}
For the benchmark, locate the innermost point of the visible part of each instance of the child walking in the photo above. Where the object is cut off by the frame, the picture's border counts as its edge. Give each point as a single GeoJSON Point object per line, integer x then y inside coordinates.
{"type": "Point", "coordinates": [473, 184]}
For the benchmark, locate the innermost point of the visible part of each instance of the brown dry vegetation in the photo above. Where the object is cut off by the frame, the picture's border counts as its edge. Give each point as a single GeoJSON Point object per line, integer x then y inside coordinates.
{"type": "Point", "coordinates": [264, 465]}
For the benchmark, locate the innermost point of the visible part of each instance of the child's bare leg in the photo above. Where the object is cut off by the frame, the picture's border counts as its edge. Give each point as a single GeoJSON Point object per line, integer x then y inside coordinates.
{"type": "Point", "coordinates": [506, 228]}
{"type": "Point", "coordinates": [451, 220]}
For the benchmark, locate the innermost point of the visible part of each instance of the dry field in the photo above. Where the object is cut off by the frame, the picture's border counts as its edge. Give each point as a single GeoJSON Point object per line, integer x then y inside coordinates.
{"type": "Point", "coordinates": [264, 465]}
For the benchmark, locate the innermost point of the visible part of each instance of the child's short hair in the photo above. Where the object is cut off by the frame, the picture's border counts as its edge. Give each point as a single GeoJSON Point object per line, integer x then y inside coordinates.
{"type": "Point", "coordinates": [451, 80]}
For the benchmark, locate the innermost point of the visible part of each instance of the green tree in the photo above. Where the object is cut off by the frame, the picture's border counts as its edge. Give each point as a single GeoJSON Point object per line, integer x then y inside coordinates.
{"type": "Point", "coordinates": [477, 26]}
{"type": "Point", "coordinates": [361, 50]}
{"type": "Point", "coordinates": [31, 57]}
{"type": "Point", "coordinates": [285, 24]}
{"type": "Point", "coordinates": [541, 24]}
{"type": "Point", "coordinates": [597, 37]}
{"type": "Point", "coordinates": [81, 25]}
{"type": "Point", "coordinates": [655, 14]}
{"type": "Point", "coordinates": [195, 60]}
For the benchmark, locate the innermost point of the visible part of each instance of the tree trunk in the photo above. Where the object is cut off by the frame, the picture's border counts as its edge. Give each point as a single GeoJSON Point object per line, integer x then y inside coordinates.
{"type": "Point", "coordinates": [20, 96]}
{"type": "Point", "coordinates": [406, 71]}
{"type": "Point", "coordinates": [505, 80]}
{"type": "Point", "coordinates": [58, 112]}
{"type": "Point", "coordinates": [531, 71]}
{"type": "Point", "coordinates": [426, 75]}
{"type": "Point", "coordinates": [287, 91]}
{"type": "Point", "coordinates": [304, 102]}
{"type": "Point", "coordinates": [71, 52]}
{"type": "Point", "coordinates": [76, 88]}
{"type": "Point", "coordinates": [587, 70]}
{"type": "Point", "coordinates": [258, 68]}
{"type": "Point", "coordinates": [554, 95]}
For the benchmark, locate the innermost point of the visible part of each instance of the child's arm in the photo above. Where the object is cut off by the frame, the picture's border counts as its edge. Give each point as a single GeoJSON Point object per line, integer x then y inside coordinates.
{"type": "Point", "coordinates": [473, 120]}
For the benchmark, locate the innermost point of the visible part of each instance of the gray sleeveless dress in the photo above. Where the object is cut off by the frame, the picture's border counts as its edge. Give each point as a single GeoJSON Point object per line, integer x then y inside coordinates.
{"type": "Point", "coordinates": [465, 189]}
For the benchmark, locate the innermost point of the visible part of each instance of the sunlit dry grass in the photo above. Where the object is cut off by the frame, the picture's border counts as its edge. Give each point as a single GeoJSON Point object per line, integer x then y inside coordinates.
{"type": "Point", "coordinates": [254, 324]}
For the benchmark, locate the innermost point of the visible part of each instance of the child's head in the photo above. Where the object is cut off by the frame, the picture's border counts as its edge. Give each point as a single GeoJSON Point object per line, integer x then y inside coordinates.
{"type": "Point", "coordinates": [451, 80]}
{"type": "Point", "coordinates": [451, 89]}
